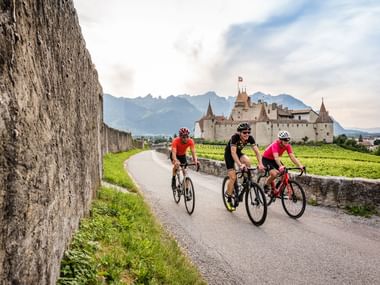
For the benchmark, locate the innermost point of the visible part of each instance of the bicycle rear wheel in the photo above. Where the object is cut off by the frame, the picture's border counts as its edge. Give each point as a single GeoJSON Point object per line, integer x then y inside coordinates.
{"type": "Point", "coordinates": [256, 204]}
{"type": "Point", "coordinates": [293, 200]}
{"type": "Point", "coordinates": [177, 190]}
{"type": "Point", "coordinates": [189, 196]}
{"type": "Point", "coordinates": [224, 193]}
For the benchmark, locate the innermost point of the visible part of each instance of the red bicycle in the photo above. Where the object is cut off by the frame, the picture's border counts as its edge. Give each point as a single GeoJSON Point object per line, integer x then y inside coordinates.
{"type": "Point", "coordinates": [292, 195]}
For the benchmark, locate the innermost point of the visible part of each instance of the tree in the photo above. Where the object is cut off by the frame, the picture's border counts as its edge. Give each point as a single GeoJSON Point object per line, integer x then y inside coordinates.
{"type": "Point", "coordinates": [341, 139]}
{"type": "Point", "coordinates": [305, 139]}
{"type": "Point", "coordinates": [376, 142]}
{"type": "Point", "coordinates": [360, 138]}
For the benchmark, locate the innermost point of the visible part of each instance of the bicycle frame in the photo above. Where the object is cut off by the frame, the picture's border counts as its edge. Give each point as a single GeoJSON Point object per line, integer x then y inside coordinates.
{"type": "Point", "coordinates": [182, 168]}
{"type": "Point", "coordinates": [246, 184]}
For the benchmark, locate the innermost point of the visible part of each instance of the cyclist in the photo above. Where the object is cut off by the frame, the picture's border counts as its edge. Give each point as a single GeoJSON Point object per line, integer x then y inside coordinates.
{"type": "Point", "coordinates": [272, 154]}
{"type": "Point", "coordinates": [178, 151]}
{"type": "Point", "coordinates": [233, 154]}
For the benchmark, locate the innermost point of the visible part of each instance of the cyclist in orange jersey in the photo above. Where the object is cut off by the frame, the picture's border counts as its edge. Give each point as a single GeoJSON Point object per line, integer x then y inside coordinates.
{"type": "Point", "coordinates": [178, 151]}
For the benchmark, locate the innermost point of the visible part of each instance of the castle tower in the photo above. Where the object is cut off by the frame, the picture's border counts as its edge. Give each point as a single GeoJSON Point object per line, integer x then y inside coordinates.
{"type": "Point", "coordinates": [324, 126]}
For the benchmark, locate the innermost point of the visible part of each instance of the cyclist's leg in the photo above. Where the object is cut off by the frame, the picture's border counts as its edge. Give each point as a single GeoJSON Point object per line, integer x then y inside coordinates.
{"type": "Point", "coordinates": [272, 165]}
{"type": "Point", "coordinates": [174, 171]}
{"type": "Point", "coordinates": [245, 159]}
{"type": "Point", "coordinates": [231, 182]}
{"type": "Point", "coordinates": [183, 160]}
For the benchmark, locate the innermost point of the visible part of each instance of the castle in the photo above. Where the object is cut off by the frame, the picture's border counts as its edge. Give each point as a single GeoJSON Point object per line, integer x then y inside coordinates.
{"type": "Point", "coordinates": [266, 121]}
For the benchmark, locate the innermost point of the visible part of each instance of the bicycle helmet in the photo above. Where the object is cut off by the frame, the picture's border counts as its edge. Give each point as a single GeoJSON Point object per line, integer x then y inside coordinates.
{"type": "Point", "coordinates": [283, 135]}
{"type": "Point", "coordinates": [183, 132]}
{"type": "Point", "coordinates": [243, 126]}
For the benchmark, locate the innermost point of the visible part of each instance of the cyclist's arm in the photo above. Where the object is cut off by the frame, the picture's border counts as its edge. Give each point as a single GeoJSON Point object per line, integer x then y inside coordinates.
{"type": "Point", "coordinates": [193, 154]}
{"type": "Point", "coordinates": [295, 160]}
{"type": "Point", "coordinates": [277, 159]}
{"type": "Point", "coordinates": [258, 156]}
{"type": "Point", "coordinates": [174, 155]}
{"type": "Point", "coordinates": [235, 156]}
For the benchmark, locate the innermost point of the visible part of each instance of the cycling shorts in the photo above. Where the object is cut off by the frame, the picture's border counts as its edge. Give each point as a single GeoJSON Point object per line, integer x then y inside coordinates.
{"type": "Point", "coordinates": [230, 163]}
{"type": "Point", "coordinates": [270, 163]}
{"type": "Point", "coordinates": [182, 158]}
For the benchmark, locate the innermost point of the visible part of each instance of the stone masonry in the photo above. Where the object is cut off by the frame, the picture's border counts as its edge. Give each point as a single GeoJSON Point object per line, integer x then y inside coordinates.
{"type": "Point", "coordinates": [50, 122]}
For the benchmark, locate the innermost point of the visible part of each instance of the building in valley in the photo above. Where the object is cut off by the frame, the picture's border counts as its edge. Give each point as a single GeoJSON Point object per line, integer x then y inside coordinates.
{"type": "Point", "coordinates": [266, 121]}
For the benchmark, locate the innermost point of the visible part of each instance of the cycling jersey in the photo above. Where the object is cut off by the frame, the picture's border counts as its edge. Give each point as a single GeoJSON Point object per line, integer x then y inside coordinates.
{"type": "Point", "coordinates": [236, 141]}
{"type": "Point", "coordinates": [277, 147]}
{"type": "Point", "coordinates": [181, 147]}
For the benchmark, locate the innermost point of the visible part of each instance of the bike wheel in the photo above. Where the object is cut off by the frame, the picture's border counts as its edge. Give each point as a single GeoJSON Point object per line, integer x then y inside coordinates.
{"type": "Point", "coordinates": [177, 190]}
{"type": "Point", "coordinates": [293, 199]}
{"type": "Point", "coordinates": [224, 193]}
{"type": "Point", "coordinates": [256, 204]}
{"type": "Point", "coordinates": [189, 196]}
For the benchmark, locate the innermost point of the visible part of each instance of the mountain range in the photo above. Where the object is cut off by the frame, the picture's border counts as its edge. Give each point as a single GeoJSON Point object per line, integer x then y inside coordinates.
{"type": "Point", "coordinates": [164, 116]}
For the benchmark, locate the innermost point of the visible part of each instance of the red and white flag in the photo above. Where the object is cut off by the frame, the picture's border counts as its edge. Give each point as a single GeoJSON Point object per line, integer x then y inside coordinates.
{"type": "Point", "coordinates": [240, 79]}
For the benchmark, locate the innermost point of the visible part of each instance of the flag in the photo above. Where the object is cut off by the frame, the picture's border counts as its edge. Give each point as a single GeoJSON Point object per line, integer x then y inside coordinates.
{"type": "Point", "coordinates": [240, 79]}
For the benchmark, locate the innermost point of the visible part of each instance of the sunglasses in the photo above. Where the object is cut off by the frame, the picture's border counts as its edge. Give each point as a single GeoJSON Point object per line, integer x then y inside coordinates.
{"type": "Point", "coordinates": [185, 137]}
{"type": "Point", "coordinates": [245, 133]}
{"type": "Point", "coordinates": [285, 140]}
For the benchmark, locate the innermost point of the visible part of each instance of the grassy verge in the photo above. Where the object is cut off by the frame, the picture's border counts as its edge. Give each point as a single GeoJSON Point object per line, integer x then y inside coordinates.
{"type": "Point", "coordinates": [121, 243]}
{"type": "Point", "coordinates": [360, 210]}
{"type": "Point", "coordinates": [113, 168]}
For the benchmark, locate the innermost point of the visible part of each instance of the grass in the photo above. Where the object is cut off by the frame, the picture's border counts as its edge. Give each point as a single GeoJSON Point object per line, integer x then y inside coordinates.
{"type": "Point", "coordinates": [121, 243]}
{"type": "Point", "coordinates": [361, 210]}
{"type": "Point", "coordinates": [326, 160]}
{"type": "Point", "coordinates": [114, 172]}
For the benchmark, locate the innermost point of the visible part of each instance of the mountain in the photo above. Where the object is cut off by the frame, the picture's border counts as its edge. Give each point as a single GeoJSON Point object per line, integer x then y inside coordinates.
{"type": "Point", "coordinates": [282, 99]}
{"type": "Point", "coordinates": [220, 105]}
{"type": "Point", "coordinates": [148, 115]}
{"type": "Point", "coordinates": [164, 116]}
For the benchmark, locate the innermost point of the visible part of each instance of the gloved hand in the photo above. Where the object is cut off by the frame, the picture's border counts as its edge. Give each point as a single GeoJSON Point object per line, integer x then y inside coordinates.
{"type": "Point", "coordinates": [281, 169]}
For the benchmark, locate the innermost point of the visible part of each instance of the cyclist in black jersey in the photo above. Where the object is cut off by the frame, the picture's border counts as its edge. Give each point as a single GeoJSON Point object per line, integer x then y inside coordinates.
{"type": "Point", "coordinates": [233, 154]}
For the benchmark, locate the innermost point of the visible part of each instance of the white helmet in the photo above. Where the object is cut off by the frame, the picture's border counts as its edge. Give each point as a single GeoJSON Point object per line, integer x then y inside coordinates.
{"type": "Point", "coordinates": [283, 135]}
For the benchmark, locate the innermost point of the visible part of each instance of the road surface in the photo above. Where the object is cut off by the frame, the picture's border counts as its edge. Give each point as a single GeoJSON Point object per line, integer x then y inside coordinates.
{"type": "Point", "coordinates": [323, 247]}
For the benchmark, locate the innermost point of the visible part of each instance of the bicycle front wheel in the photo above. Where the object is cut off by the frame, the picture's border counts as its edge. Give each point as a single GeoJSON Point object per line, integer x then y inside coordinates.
{"type": "Point", "coordinates": [177, 190]}
{"type": "Point", "coordinates": [293, 200]}
{"type": "Point", "coordinates": [256, 204]}
{"type": "Point", "coordinates": [189, 196]}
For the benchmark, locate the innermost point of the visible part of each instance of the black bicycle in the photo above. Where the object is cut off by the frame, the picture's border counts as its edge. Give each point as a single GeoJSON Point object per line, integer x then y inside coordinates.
{"type": "Point", "coordinates": [255, 202]}
{"type": "Point", "coordinates": [185, 187]}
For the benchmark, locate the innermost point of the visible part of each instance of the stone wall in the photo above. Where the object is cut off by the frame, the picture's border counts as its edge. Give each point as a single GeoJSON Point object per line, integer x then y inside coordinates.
{"type": "Point", "coordinates": [115, 140]}
{"type": "Point", "coordinates": [323, 190]}
{"type": "Point", "coordinates": [50, 121]}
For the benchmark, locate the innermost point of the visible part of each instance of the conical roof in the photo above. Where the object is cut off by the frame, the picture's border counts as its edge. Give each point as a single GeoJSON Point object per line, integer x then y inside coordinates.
{"type": "Point", "coordinates": [209, 110]}
{"type": "Point", "coordinates": [323, 116]}
{"type": "Point", "coordinates": [263, 117]}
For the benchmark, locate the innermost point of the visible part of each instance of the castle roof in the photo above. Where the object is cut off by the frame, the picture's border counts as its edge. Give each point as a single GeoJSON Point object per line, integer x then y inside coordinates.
{"type": "Point", "coordinates": [209, 110]}
{"type": "Point", "coordinates": [263, 117]}
{"type": "Point", "coordinates": [303, 111]}
{"type": "Point", "coordinates": [242, 99]}
{"type": "Point", "coordinates": [323, 116]}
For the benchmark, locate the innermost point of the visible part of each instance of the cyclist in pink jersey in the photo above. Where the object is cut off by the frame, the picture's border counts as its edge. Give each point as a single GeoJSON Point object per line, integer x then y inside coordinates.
{"type": "Point", "coordinates": [271, 157]}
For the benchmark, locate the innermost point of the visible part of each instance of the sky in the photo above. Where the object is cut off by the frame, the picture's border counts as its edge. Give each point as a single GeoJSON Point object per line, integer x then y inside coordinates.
{"type": "Point", "coordinates": [310, 49]}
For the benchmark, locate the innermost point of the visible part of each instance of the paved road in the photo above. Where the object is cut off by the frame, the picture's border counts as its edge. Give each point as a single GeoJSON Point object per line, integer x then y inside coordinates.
{"type": "Point", "coordinates": [323, 247]}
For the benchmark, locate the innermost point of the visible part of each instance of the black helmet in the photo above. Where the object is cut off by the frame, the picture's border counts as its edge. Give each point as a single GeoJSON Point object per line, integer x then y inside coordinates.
{"type": "Point", "coordinates": [243, 126]}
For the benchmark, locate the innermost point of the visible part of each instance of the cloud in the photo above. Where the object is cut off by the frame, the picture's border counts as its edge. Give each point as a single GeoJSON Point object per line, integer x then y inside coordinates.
{"type": "Point", "coordinates": [309, 49]}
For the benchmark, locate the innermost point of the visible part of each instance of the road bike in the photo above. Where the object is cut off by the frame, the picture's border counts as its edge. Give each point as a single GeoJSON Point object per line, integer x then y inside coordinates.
{"type": "Point", "coordinates": [290, 192]}
{"type": "Point", "coordinates": [255, 201]}
{"type": "Point", "coordinates": [184, 187]}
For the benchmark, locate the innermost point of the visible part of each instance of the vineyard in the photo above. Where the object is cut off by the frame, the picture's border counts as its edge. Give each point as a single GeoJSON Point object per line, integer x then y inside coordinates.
{"type": "Point", "coordinates": [320, 160]}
